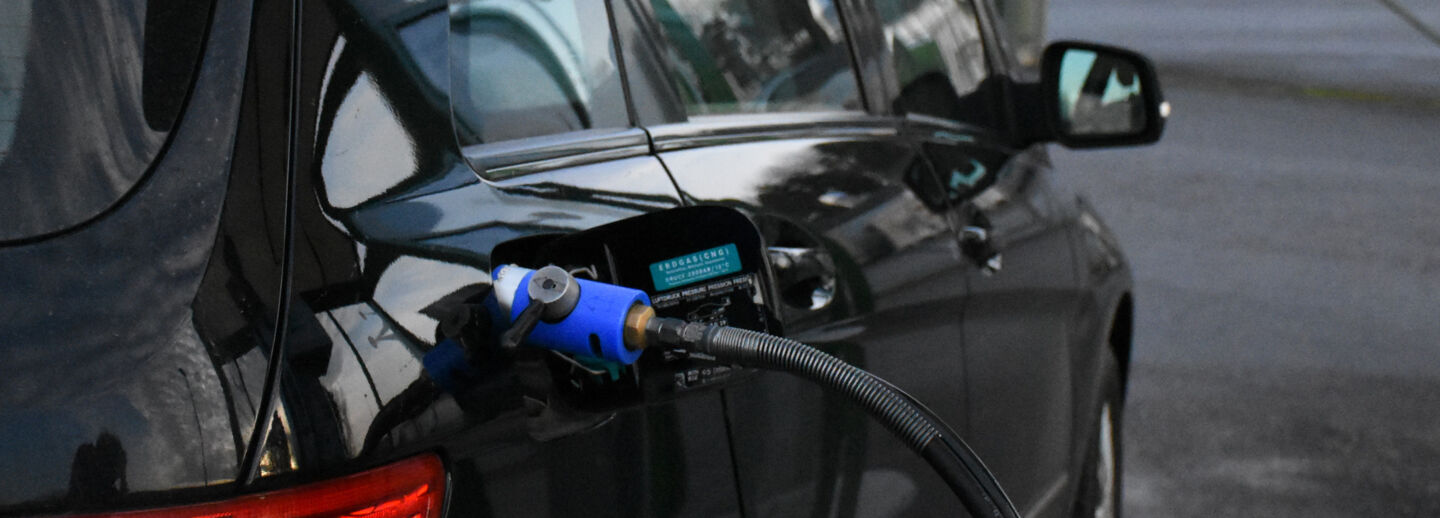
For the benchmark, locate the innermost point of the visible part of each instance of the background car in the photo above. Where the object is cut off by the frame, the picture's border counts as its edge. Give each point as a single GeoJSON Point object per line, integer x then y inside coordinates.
{"type": "Point", "coordinates": [237, 286]}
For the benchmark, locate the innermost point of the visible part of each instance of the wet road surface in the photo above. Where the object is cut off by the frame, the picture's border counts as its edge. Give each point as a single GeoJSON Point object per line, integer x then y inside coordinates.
{"type": "Point", "coordinates": [1285, 238]}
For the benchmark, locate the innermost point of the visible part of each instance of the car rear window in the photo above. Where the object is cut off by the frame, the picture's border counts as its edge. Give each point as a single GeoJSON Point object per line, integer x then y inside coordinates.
{"type": "Point", "coordinates": [89, 92]}
{"type": "Point", "coordinates": [528, 68]}
{"type": "Point", "coordinates": [749, 57]}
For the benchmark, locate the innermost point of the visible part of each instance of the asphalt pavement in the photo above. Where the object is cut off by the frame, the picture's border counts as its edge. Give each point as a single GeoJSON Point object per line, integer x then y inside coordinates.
{"type": "Point", "coordinates": [1285, 238]}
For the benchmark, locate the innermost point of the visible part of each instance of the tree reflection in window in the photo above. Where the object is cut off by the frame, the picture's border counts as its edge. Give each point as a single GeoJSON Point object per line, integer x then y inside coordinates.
{"type": "Point", "coordinates": [757, 55]}
{"type": "Point", "coordinates": [938, 58]}
{"type": "Point", "coordinates": [526, 68]}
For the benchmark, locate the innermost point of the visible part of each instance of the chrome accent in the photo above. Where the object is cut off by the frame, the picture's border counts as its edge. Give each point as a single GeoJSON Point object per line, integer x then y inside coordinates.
{"type": "Point", "coordinates": [512, 171]}
{"type": "Point", "coordinates": [733, 129]}
{"type": "Point", "coordinates": [1105, 466]}
{"type": "Point", "coordinates": [976, 241]}
{"type": "Point", "coordinates": [511, 158]}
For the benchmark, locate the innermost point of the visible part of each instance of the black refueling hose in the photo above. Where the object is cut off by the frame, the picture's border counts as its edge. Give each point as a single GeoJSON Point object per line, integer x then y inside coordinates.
{"type": "Point", "coordinates": [919, 428]}
{"type": "Point", "coordinates": [550, 308]}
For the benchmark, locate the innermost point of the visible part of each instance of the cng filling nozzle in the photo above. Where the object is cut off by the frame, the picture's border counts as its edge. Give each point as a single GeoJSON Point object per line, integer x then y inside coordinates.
{"type": "Point", "coordinates": [552, 309]}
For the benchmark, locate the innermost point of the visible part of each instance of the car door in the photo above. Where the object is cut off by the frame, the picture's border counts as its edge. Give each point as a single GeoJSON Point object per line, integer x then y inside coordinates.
{"type": "Point", "coordinates": [771, 121]}
{"type": "Point", "coordinates": [1018, 335]}
{"type": "Point", "coordinates": [428, 134]}
{"type": "Point", "coordinates": [1019, 267]}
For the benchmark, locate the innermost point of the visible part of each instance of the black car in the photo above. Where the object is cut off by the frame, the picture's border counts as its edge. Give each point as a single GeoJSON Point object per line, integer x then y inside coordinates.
{"type": "Point", "coordinates": [238, 235]}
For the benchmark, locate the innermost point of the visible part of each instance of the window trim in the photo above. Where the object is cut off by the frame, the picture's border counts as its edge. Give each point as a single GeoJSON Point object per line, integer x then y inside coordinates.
{"type": "Point", "coordinates": [939, 130]}
{"type": "Point", "coordinates": [504, 159]}
{"type": "Point", "coordinates": [714, 130]}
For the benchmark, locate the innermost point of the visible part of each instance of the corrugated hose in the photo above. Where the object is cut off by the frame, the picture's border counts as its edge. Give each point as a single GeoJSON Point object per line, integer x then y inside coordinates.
{"type": "Point", "coordinates": [909, 420]}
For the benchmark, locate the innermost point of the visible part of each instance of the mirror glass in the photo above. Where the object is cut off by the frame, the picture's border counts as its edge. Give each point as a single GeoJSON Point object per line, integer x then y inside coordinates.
{"type": "Point", "coordinates": [1100, 94]}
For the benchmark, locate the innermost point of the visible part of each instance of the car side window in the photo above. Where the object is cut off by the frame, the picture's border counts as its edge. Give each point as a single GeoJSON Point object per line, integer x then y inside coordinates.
{"type": "Point", "coordinates": [756, 57]}
{"type": "Point", "coordinates": [528, 68]}
{"type": "Point", "coordinates": [938, 57]}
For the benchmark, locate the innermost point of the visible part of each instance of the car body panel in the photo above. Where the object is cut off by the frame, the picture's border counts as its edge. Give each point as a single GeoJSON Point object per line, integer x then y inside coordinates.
{"type": "Point", "coordinates": [130, 368]}
{"type": "Point", "coordinates": [153, 334]}
{"type": "Point", "coordinates": [897, 290]}
{"type": "Point", "coordinates": [1017, 324]}
{"type": "Point", "coordinates": [379, 264]}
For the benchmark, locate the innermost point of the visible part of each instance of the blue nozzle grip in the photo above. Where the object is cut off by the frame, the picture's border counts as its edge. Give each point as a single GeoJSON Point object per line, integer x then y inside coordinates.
{"type": "Point", "coordinates": [595, 328]}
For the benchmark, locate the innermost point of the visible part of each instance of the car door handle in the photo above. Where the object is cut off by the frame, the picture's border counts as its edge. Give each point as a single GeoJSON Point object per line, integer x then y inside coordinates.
{"type": "Point", "coordinates": [976, 244]}
{"type": "Point", "coordinates": [805, 276]}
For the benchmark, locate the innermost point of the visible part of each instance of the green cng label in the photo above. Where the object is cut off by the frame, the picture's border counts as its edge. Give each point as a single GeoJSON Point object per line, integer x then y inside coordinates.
{"type": "Point", "coordinates": [705, 264]}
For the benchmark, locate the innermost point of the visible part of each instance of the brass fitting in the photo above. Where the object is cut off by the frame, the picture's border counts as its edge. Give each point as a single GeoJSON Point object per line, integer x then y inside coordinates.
{"type": "Point", "coordinates": [635, 322]}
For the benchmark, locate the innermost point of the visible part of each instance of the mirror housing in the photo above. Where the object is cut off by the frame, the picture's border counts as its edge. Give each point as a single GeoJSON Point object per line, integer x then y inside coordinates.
{"type": "Point", "coordinates": [1100, 96]}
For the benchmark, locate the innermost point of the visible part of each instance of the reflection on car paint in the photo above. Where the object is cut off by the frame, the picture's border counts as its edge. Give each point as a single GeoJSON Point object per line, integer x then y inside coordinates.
{"type": "Point", "coordinates": [119, 374]}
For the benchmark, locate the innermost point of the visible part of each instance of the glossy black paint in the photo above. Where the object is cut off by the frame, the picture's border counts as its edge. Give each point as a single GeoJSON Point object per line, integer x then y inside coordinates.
{"type": "Point", "coordinates": [135, 348]}
{"type": "Point", "coordinates": [376, 266]}
{"type": "Point", "coordinates": [96, 97]}
{"type": "Point", "coordinates": [128, 369]}
{"type": "Point", "coordinates": [897, 294]}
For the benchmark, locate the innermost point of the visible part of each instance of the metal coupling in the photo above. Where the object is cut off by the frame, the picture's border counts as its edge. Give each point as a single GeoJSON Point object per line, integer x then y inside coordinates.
{"type": "Point", "coordinates": [679, 334]}
{"type": "Point", "coordinates": [636, 322]}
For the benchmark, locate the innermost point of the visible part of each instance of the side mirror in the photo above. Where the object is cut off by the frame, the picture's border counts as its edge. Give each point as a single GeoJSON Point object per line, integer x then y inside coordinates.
{"type": "Point", "coordinates": [1097, 96]}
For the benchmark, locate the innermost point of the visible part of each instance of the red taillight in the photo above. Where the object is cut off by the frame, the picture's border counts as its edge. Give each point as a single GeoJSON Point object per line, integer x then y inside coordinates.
{"type": "Point", "coordinates": [413, 488]}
